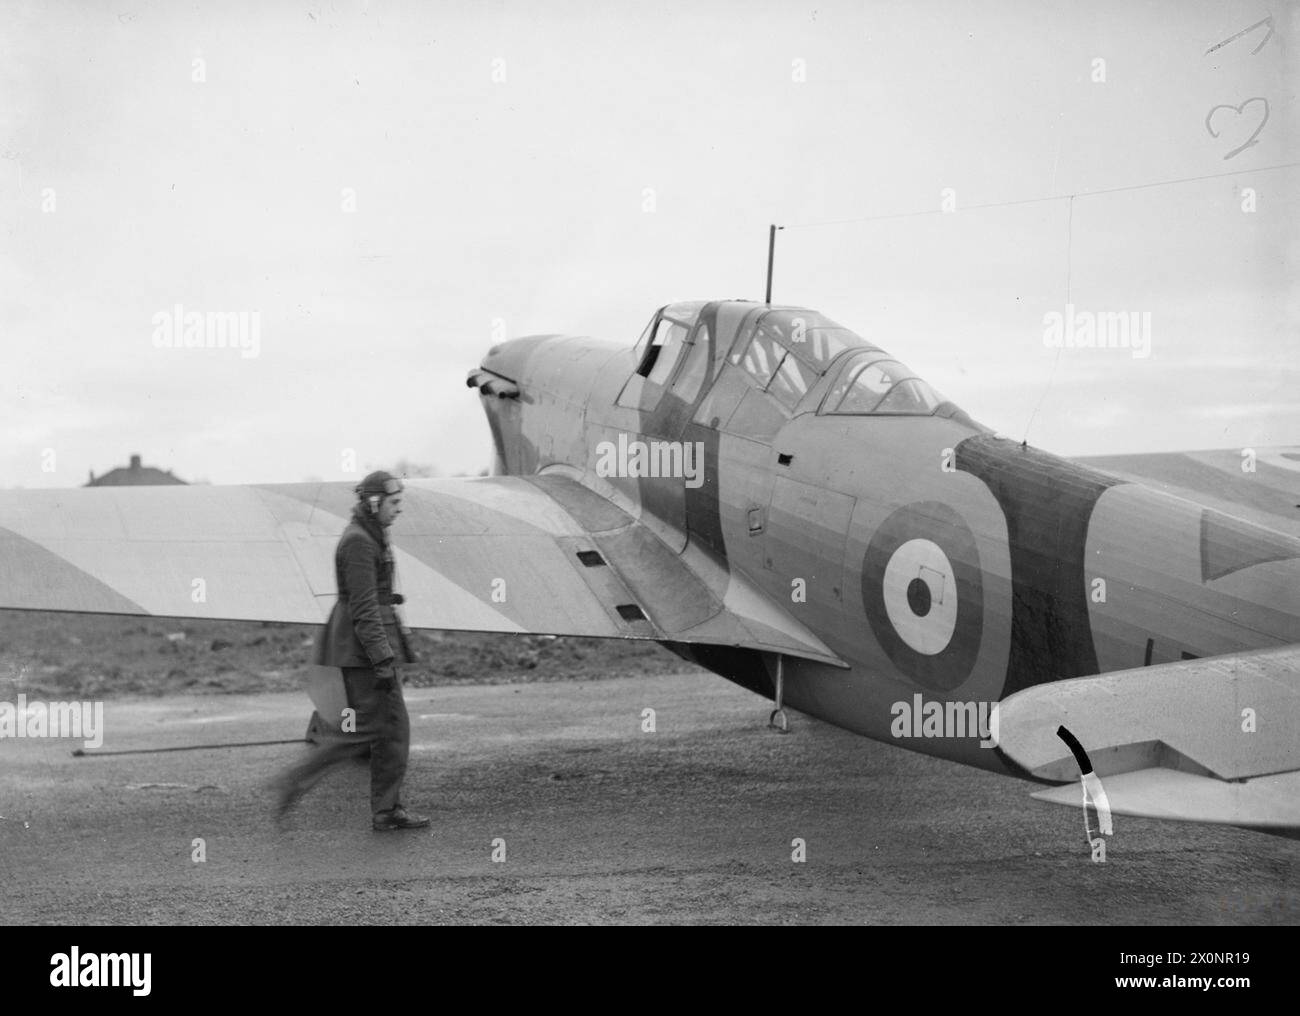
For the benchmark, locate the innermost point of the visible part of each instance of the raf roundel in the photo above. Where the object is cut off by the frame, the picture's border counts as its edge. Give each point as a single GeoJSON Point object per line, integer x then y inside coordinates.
{"type": "Point", "coordinates": [923, 593]}
{"type": "Point", "coordinates": [920, 594]}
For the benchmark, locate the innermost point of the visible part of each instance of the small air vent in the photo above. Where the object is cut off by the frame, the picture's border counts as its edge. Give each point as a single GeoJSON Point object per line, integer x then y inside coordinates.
{"type": "Point", "coordinates": [590, 558]}
{"type": "Point", "coordinates": [783, 459]}
{"type": "Point", "coordinates": [630, 612]}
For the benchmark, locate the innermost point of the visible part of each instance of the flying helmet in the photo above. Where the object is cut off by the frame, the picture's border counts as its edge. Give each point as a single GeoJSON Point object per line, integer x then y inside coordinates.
{"type": "Point", "coordinates": [379, 482]}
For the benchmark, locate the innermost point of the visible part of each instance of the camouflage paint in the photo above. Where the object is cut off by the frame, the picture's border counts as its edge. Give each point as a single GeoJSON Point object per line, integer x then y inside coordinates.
{"type": "Point", "coordinates": [829, 500]}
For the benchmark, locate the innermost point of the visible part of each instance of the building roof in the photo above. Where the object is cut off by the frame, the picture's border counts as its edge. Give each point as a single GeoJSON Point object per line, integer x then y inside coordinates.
{"type": "Point", "coordinates": [134, 475]}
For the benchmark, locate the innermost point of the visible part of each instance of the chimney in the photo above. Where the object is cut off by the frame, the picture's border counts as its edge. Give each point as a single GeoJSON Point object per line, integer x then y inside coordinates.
{"type": "Point", "coordinates": [135, 463]}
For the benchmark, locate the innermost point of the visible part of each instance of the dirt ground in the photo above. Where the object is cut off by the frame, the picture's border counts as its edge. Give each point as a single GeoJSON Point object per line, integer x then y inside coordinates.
{"type": "Point", "coordinates": [57, 655]}
{"type": "Point", "coordinates": [598, 820]}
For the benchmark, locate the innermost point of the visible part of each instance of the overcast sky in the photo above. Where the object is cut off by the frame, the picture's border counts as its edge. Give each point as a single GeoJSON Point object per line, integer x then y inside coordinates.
{"type": "Point", "coordinates": [385, 183]}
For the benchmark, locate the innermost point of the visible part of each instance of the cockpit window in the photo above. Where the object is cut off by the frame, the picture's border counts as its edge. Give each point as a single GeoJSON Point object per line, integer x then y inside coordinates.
{"type": "Point", "coordinates": [912, 397]}
{"type": "Point", "coordinates": [761, 359]}
{"type": "Point", "coordinates": [665, 347]}
{"type": "Point", "coordinates": [862, 388]}
{"type": "Point", "coordinates": [650, 344]}
{"type": "Point", "coordinates": [694, 367]}
{"type": "Point", "coordinates": [813, 338]}
{"type": "Point", "coordinates": [791, 381]}
{"type": "Point", "coordinates": [776, 370]}
{"type": "Point", "coordinates": [880, 387]}
{"type": "Point", "coordinates": [786, 351]}
{"type": "Point", "coordinates": [684, 313]}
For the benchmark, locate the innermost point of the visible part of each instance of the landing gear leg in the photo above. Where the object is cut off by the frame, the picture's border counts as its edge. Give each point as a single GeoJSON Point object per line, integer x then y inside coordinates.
{"type": "Point", "coordinates": [778, 721]}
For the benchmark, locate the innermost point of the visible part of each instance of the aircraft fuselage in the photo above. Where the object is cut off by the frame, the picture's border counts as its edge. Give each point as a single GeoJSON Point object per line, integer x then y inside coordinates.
{"type": "Point", "coordinates": [935, 558]}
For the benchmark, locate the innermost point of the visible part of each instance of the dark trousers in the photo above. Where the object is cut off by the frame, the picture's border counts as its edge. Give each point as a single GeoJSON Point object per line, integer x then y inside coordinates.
{"type": "Point", "coordinates": [382, 725]}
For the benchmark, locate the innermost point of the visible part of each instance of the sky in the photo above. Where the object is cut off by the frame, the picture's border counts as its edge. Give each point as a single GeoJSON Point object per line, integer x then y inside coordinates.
{"type": "Point", "coordinates": [392, 187]}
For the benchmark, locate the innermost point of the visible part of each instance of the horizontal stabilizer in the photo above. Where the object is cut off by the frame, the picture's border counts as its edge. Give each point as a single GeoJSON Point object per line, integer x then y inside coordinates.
{"type": "Point", "coordinates": [1206, 740]}
{"type": "Point", "coordinates": [1267, 803]}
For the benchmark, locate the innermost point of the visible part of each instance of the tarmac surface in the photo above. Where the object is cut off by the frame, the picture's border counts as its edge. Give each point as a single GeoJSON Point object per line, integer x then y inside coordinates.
{"type": "Point", "coordinates": [598, 821]}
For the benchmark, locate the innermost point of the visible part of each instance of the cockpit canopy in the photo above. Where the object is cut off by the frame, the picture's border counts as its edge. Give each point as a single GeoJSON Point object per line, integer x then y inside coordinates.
{"type": "Point", "coordinates": [786, 351]}
{"type": "Point", "coordinates": [870, 384]}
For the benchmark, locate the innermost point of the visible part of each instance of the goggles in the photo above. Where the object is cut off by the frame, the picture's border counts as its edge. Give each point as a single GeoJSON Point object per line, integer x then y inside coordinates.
{"type": "Point", "coordinates": [390, 486]}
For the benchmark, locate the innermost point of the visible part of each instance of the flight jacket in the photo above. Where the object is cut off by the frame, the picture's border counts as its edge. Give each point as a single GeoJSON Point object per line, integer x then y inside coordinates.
{"type": "Point", "coordinates": [363, 629]}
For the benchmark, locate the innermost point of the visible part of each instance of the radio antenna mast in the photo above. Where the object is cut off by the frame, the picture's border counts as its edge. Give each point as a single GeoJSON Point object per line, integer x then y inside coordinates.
{"type": "Point", "coordinates": [771, 254]}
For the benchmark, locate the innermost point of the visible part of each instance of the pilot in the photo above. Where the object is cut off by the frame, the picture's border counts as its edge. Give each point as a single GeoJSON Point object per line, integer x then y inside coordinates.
{"type": "Point", "coordinates": [364, 636]}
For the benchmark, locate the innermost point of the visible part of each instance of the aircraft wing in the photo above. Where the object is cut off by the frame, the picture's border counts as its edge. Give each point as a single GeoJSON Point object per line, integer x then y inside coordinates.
{"type": "Point", "coordinates": [539, 554]}
{"type": "Point", "coordinates": [1209, 740]}
{"type": "Point", "coordinates": [1261, 485]}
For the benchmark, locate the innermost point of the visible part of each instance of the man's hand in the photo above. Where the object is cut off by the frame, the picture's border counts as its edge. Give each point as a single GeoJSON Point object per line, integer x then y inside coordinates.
{"type": "Point", "coordinates": [385, 675]}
